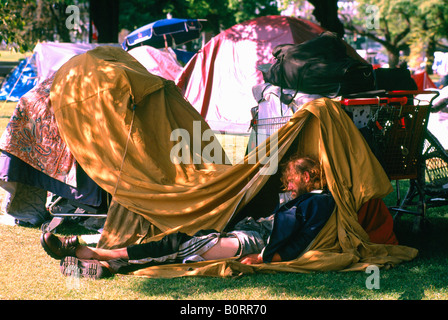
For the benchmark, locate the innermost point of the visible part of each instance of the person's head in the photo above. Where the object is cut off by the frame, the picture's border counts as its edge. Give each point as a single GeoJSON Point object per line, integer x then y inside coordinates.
{"type": "Point", "coordinates": [302, 175]}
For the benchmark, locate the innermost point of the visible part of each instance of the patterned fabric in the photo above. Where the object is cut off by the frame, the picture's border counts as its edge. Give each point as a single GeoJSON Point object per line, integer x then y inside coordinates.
{"type": "Point", "coordinates": [32, 135]}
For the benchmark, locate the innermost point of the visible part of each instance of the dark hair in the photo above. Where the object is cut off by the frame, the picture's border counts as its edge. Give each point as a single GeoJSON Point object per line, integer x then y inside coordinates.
{"type": "Point", "coordinates": [297, 164]}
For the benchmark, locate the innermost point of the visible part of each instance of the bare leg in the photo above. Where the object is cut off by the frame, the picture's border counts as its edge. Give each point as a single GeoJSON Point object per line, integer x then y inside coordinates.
{"type": "Point", "coordinates": [225, 248]}
{"type": "Point", "coordinates": [85, 252]}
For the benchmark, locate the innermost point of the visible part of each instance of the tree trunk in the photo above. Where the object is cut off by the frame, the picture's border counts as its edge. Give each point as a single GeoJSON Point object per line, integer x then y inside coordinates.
{"type": "Point", "coordinates": [393, 57]}
{"type": "Point", "coordinates": [430, 50]}
{"type": "Point", "coordinates": [326, 12]}
{"type": "Point", "coordinates": [104, 15]}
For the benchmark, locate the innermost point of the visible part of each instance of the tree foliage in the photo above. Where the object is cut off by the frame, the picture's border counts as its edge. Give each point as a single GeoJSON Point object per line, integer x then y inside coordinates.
{"type": "Point", "coordinates": [23, 23]}
{"type": "Point", "coordinates": [401, 25]}
{"type": "Point", "coordinates": [220, 14]}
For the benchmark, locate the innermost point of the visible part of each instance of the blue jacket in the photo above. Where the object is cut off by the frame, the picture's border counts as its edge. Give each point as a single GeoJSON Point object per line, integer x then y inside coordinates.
{"type": "Point", "coordinates": [297, 223]}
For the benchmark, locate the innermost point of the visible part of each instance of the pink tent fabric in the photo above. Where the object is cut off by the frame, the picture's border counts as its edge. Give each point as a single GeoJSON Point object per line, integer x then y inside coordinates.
{"type": "Point", "coordinates": [218, 80]}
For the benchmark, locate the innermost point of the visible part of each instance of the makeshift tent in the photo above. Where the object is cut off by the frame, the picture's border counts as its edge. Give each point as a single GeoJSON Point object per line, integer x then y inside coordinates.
{"type": "Point", "coordinates": [118, 120]}
{"type": "Point", "coordinates": [20, 80]}
{"type": "Point", "coordinates": [32, 136]}
{"type": "Point", "coordinates": [34, 159]}
{"type": "Point", "coordinates": [218, 80]}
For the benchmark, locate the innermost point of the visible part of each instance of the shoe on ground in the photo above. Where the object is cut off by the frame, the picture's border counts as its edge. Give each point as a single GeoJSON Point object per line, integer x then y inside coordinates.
{"type": "Point", "coordinates": [91, 269]}
{"type": "Point", "coordinates": [59, 247]}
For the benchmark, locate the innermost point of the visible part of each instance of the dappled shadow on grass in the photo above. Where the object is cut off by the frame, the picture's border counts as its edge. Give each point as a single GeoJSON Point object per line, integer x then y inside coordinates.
{"type": "Point", "coordinates": [431, 240]}
{"type": "Point", "coordinates": [426, 277]}
{"type": "Point", "coordinates": [409, 281]}
{"type": "Point", "coordinates": [428, 272]}
{"type": "Point", "coordinates": [281, 286]}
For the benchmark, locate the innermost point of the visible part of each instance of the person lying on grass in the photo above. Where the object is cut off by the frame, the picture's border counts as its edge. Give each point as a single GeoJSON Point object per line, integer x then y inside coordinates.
{"type": "Point", "coordinates": [283, 236]}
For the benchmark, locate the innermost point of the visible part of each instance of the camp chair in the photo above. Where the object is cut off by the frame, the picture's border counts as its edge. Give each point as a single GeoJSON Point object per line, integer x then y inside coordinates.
{"type": "Point", "coordinates": [62, 209]}
{"type": "Point", "coordinates": [67, 207]}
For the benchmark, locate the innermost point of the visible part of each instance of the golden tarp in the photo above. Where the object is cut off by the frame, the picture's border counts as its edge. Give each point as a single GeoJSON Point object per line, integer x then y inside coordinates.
{"type": "Point", "coordinates": [118, 121]}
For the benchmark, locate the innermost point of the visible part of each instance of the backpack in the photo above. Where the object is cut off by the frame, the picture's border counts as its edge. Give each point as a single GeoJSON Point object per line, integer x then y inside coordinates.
{"type": "Point", "coordinates": [319, 66]}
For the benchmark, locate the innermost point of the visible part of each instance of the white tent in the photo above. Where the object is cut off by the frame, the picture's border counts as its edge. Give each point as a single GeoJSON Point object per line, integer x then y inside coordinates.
{"type": "Point", "coordinates": [50, 56]}
{"type": "Point", "coordinates": [438, 121]}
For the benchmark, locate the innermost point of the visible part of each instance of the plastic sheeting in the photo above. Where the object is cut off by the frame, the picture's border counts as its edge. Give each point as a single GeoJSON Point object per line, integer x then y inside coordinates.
{"type": "Point", "coordinates": [20, 80]}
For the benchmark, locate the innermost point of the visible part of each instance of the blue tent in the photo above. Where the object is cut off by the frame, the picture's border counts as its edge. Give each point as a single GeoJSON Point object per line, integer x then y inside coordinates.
{"type": "Point", "coordinates": [20, 80]}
